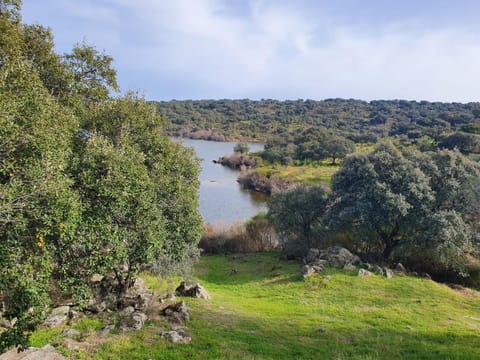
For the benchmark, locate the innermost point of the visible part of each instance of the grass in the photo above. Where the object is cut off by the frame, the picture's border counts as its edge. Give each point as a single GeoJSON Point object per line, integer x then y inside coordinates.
{"type": "Point", "coordinates": [265, 311]}
{"type": "Point", "coordinates": [305, 174]}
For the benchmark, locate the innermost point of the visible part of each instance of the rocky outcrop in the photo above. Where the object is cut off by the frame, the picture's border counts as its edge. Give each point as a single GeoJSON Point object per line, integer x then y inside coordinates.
{"type": "Point", "coordinates": [177, 336]}
{"type": "Point", "coordinates": [57, 317]}
{"type": "Point", "coordinates": [364, 273]}
{"type": "Point", "coordinates": [192, 289]}
{"type": "Point", "coordinates": [251, 180]}
{"type": "Point", "coordinates": [47, 352]}
{"type": "Point", "coordinates": [176, 313]}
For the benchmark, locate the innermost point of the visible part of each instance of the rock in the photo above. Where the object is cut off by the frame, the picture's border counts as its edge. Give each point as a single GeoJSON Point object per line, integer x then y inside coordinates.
{"type": "Point", "coordinates": [176, 312]}
{"type": "Point", "coordinates": [399, 267]}
{"type": "Point", "coordinates": [364, 273]}
{"type": "Point", "coordinates": [70, 344]}
{"type": "Point", "coordinates": [96, 278]}
{"type": "Point", "coordinates": [408, 327]}
{"type": "Point", "coordinates": [328, 278]}
{"type": "Point", "coordinates": [350, 267]}
{"type": "Point", "coordinates": [322, 330]}
{"type": "Point", "coordinates": [133, 322]}
{"type": "Point", "coordinates": [57, 317]}
{"type": "Point", "coordinates": [307, 271]}
{"type": "Point", "coordinates": [378, 270]}
{"type": "Point", "coordinates": [106, 330]}
{"type": "Point", "coordinates": [312, 255]}
{"type": "Point", "coordinates": [192, 290]}
{"type": "Point", "coordinates": [72, 333]}
{"type": "Point", "coordinates": [425, 275]}
{"type": "Point", "coordinates": [168, 299]}
{"type": "Point", "coordinates": [388, 273]}
{"type": "Point", "coordinates": [178, 336]}
{"type": "Point", "coordinates": [129, 310]}
{"type": "Point", "coordinates": [47, 352]}
{"type": "Point", "coordinates": [96, 306]}
{"type": "Point", "coordinates": [338, 256]}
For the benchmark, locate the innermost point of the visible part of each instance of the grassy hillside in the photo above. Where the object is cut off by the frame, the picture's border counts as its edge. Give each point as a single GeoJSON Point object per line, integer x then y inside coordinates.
{"type": "Point", "coordinates": [263, 310]}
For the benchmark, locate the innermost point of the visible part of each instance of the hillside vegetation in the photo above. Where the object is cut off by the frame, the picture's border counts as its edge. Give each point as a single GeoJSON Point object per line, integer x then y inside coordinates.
{"type": "Point", "coordinates": [264, 310]}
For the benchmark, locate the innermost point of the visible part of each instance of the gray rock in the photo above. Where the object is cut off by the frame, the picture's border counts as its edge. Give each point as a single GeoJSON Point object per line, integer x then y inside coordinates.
{"type": "Point", "coordinates": [349, 267]}
{"type": "Point", "coordinates": [129, 310]}
{"type": "Point", "coordinates": [399, 267]}
{"type": "Point", "coordinates": [192, 290]}
{"type": "Point", "coordinates": [57, 317]}
{"type": "Point", "coordinates": [47, 352]}
{"type": "Point", "coordinates": [312, 255]}
{"type": "Point", "coordinates": [133, 322]}
{"type": "Point", "coordinates": [307, 271]}
{"type": "Point", "coordinates": [107, 329]}
{"type": "Point", "coordinates": [364, 273]}
{"type": "Point", "coordinates": [72, 333]}
{"type": "Point", "coordinates": [322, 330]}
{"type": "Point", "coordinates": [178, 336]}
{"type": "Point", "coordinates": [378, 270]}
{"type": "Point", "coordinates": [177, 313]}
{"type": "Point", "coordinates": [96, 278]}
{"type": "Point", "coordinates": [338, 256]}
{"type": "Point", "coordinates": [388, 273]}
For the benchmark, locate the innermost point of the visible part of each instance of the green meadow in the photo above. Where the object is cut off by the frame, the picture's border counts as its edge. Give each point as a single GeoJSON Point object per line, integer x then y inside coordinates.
{"type": "Point", "coordinates": [262, 309]}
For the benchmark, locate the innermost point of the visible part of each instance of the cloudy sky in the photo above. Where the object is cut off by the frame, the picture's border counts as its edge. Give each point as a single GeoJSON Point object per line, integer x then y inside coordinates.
{"type": "Point", "coordinates": [281, 49]}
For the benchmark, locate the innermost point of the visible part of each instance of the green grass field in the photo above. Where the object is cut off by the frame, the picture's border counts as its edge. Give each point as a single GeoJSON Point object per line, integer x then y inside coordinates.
{"type": "Point", "coordinates": [265, 311]}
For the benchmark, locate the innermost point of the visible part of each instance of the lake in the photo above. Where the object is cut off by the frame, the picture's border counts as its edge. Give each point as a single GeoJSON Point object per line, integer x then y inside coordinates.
{"type": "Point", "coordinates": [222, 199]}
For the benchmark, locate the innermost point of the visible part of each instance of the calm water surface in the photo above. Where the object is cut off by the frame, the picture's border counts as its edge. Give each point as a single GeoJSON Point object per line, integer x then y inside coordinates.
{"type": "Point", "coordinates": [222, 199]}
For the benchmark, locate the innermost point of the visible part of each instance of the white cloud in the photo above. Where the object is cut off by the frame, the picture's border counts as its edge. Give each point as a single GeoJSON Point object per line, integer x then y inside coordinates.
{"type": "Point", "coordinates": [278, 50]}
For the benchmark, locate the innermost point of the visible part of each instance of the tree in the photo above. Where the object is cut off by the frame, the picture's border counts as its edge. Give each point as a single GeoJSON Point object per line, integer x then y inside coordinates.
{"type": "Point", "coordinates": [94, 76]}
{"type": "Point", "coordinates": [241, 148]}
{"type": "Point", "coordinates": [296, 212]}
{"type": "Point", "coordinates": [400, 198]}
{"type": "Point", "coordinates": [337, 147]}
{"type": "Point", "coordinates": [465, 142]}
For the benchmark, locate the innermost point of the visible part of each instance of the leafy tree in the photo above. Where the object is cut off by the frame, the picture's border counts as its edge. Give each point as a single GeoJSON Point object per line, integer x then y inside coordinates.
{"type": "Point", "coordinates": [241, 148]}
{"type": "Point", "coordinates": [35, 194]}
{"type": "Point", "coordinates": [390, 199]}
{"type": "Point", "coordinates": [296, 212]}
{"type": "Point", "coordinates": [94, 76]}
{"type": "Point", "coordinates": [337, 147]}
{"type": "Point", "coordinates": [465, 142]}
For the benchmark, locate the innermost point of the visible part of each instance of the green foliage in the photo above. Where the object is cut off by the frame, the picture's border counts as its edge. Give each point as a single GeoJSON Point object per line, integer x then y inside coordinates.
{"type": "Point", "coordinates": [359, 121]}
{"type": "Point", "coordinates": [87, 183]}
{"type": "Point", "coordinates": [241, 148]}
{"type": "Point", "coordinates": [295, 214]}
{"type": "Point", "coordinates": [465, 142]}
{"type": "Point", "coordinates": [394, 199]}
{"type": "Point", "coordinates": [94, 77]}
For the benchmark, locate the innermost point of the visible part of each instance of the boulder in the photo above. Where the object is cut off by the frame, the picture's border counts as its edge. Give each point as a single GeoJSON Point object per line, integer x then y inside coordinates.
{"type": "Point", "coordinates": [177, 313]}
{"type": "Point", "coordinates": [133, 322]}
{"type": "Point", "coordinates": [178, 336]}
{"type": "Point", "coordinates": [399, 267]}
{"type": "Point", "coordinates": [388, 273]}
{"type": "Point", "coordinates": [378, 270]}
{"type": "Point", "coordinates": [350, 267]}
{"type": "Point", "coordinates": [364, 273]}
{"type": "Point", "coordinates": [57, 317]}
{"type": "Point", "coordinates": [312, 255]}
{"type": "Point", "coordinates": [307, 271]}
{"type": "Point", "coordinates": [192, 290]}
{"type": "Point", "coordinates": [338, 256]}
{"type": "Point", "coordinates": [47, 352]}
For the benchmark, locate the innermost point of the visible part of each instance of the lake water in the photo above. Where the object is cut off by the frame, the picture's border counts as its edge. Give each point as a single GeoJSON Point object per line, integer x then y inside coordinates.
{"type": "Point", "coordinates": [222, 199]}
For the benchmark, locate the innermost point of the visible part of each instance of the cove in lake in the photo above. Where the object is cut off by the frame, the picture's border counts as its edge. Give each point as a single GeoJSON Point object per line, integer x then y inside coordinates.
{"type": "Point", "coordinates": [222, 199]}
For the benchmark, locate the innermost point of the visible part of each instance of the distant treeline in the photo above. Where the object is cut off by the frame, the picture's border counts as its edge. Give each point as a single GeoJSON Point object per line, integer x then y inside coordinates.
{"type": "Point", "coordinates": [357, 120]}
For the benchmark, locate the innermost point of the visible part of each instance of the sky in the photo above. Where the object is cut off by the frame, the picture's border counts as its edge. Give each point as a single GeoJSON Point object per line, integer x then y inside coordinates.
{"type": "Point", "coordinates": [278, 49]}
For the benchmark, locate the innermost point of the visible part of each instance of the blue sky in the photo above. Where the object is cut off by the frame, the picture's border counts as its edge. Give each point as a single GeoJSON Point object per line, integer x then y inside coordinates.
{"type": "Point", "coordinates": [281, 49]}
